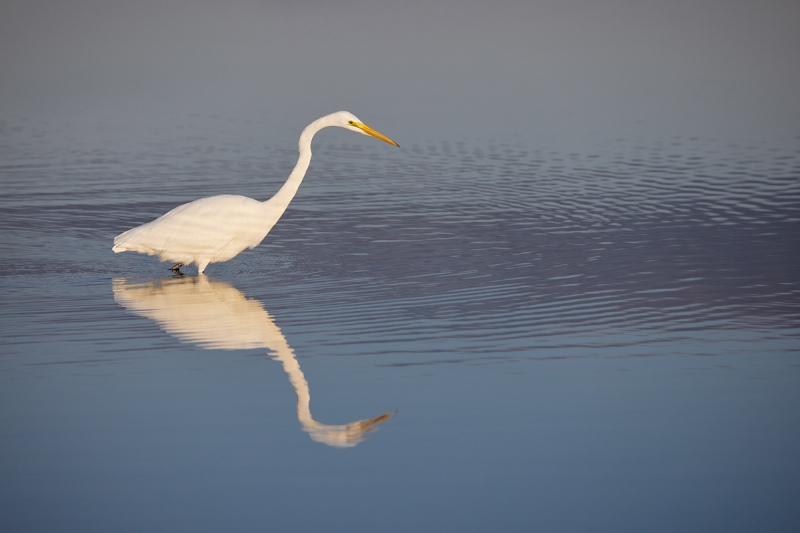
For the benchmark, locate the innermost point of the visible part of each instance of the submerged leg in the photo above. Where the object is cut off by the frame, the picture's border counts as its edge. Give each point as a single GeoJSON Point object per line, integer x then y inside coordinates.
{"type": "Point", "coordinates": [177, 268]}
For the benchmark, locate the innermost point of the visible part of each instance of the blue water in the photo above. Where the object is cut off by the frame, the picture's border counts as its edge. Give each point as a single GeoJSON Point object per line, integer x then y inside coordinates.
{"type": "Point", "coordinates": [466, 335]}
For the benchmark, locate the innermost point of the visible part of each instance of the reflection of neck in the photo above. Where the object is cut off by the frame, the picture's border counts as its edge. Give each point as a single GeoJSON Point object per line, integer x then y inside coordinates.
{"type": "Point", "coordinates": [284, 353]}
{"type": "Point", "coordinates": [340, 436]}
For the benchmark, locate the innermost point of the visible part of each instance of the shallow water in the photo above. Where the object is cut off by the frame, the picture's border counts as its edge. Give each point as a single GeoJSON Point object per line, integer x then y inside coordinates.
{"type": "Point", "coordinates": [464, 335]}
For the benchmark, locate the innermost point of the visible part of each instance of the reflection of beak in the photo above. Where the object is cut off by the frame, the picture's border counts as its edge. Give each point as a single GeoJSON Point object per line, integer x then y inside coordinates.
{"type": "Point", "coordinates": [369, 131]}
{"type": "Point", "coordinates": [363, 424]}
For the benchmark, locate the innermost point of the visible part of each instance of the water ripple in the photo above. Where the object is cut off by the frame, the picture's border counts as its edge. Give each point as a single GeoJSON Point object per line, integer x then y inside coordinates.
{"type": "Point", "coordinates": [491, 251]}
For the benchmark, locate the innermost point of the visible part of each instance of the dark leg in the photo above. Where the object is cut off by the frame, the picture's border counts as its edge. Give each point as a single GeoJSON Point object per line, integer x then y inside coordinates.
{"type": "Point", "coordinates": [177, 268]}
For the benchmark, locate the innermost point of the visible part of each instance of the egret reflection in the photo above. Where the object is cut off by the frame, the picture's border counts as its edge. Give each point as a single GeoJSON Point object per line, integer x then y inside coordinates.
{"type": "Point", "coordinates": [215, 315]}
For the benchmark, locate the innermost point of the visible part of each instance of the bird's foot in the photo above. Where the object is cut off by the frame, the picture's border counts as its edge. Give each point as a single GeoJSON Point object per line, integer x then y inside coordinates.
{"type": "Point", "coordinates": [177, 268]}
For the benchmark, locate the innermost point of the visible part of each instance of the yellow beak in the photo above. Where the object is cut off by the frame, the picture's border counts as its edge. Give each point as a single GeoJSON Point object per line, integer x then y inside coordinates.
{"type": "Point", "coordinates": [369, 131]}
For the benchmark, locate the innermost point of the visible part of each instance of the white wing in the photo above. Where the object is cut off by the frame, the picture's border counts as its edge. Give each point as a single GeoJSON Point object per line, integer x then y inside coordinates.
{"type": "Point", "coordinates": [216, 228]}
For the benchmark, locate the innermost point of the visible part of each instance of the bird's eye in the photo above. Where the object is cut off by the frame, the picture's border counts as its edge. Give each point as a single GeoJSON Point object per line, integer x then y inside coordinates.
{"type": "Point", "coordinates": [350, 122]}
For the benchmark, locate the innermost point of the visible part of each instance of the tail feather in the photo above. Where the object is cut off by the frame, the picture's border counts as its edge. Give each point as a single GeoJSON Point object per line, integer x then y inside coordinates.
{"type": "Point", "coordinates": [120, 241]}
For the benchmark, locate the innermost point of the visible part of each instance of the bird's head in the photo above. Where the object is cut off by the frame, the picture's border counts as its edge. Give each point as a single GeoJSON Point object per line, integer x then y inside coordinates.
{"type": "Point", "coordinates": [351, 122]}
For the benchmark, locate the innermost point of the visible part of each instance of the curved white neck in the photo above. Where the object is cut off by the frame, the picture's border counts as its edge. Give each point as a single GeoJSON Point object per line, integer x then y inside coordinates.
{"type": "Point", "coordinates": [286, 193]}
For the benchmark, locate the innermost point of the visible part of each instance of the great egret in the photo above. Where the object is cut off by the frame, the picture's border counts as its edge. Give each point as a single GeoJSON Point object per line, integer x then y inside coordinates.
{"type": "Point", "coordinates": [216, 229]}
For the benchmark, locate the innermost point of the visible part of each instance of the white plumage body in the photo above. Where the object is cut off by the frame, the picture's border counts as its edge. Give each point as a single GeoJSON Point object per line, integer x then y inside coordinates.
{"type": "Point", "coordinates": [208, 230]}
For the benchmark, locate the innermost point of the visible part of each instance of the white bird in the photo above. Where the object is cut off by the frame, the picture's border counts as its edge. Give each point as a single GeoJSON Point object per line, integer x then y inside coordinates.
{"type": "Point", "coordinates": [217, 228]}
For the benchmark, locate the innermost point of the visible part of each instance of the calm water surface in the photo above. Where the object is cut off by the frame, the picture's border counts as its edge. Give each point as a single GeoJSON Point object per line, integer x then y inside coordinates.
{"type": "Point", "coordinates": [450, 336]}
